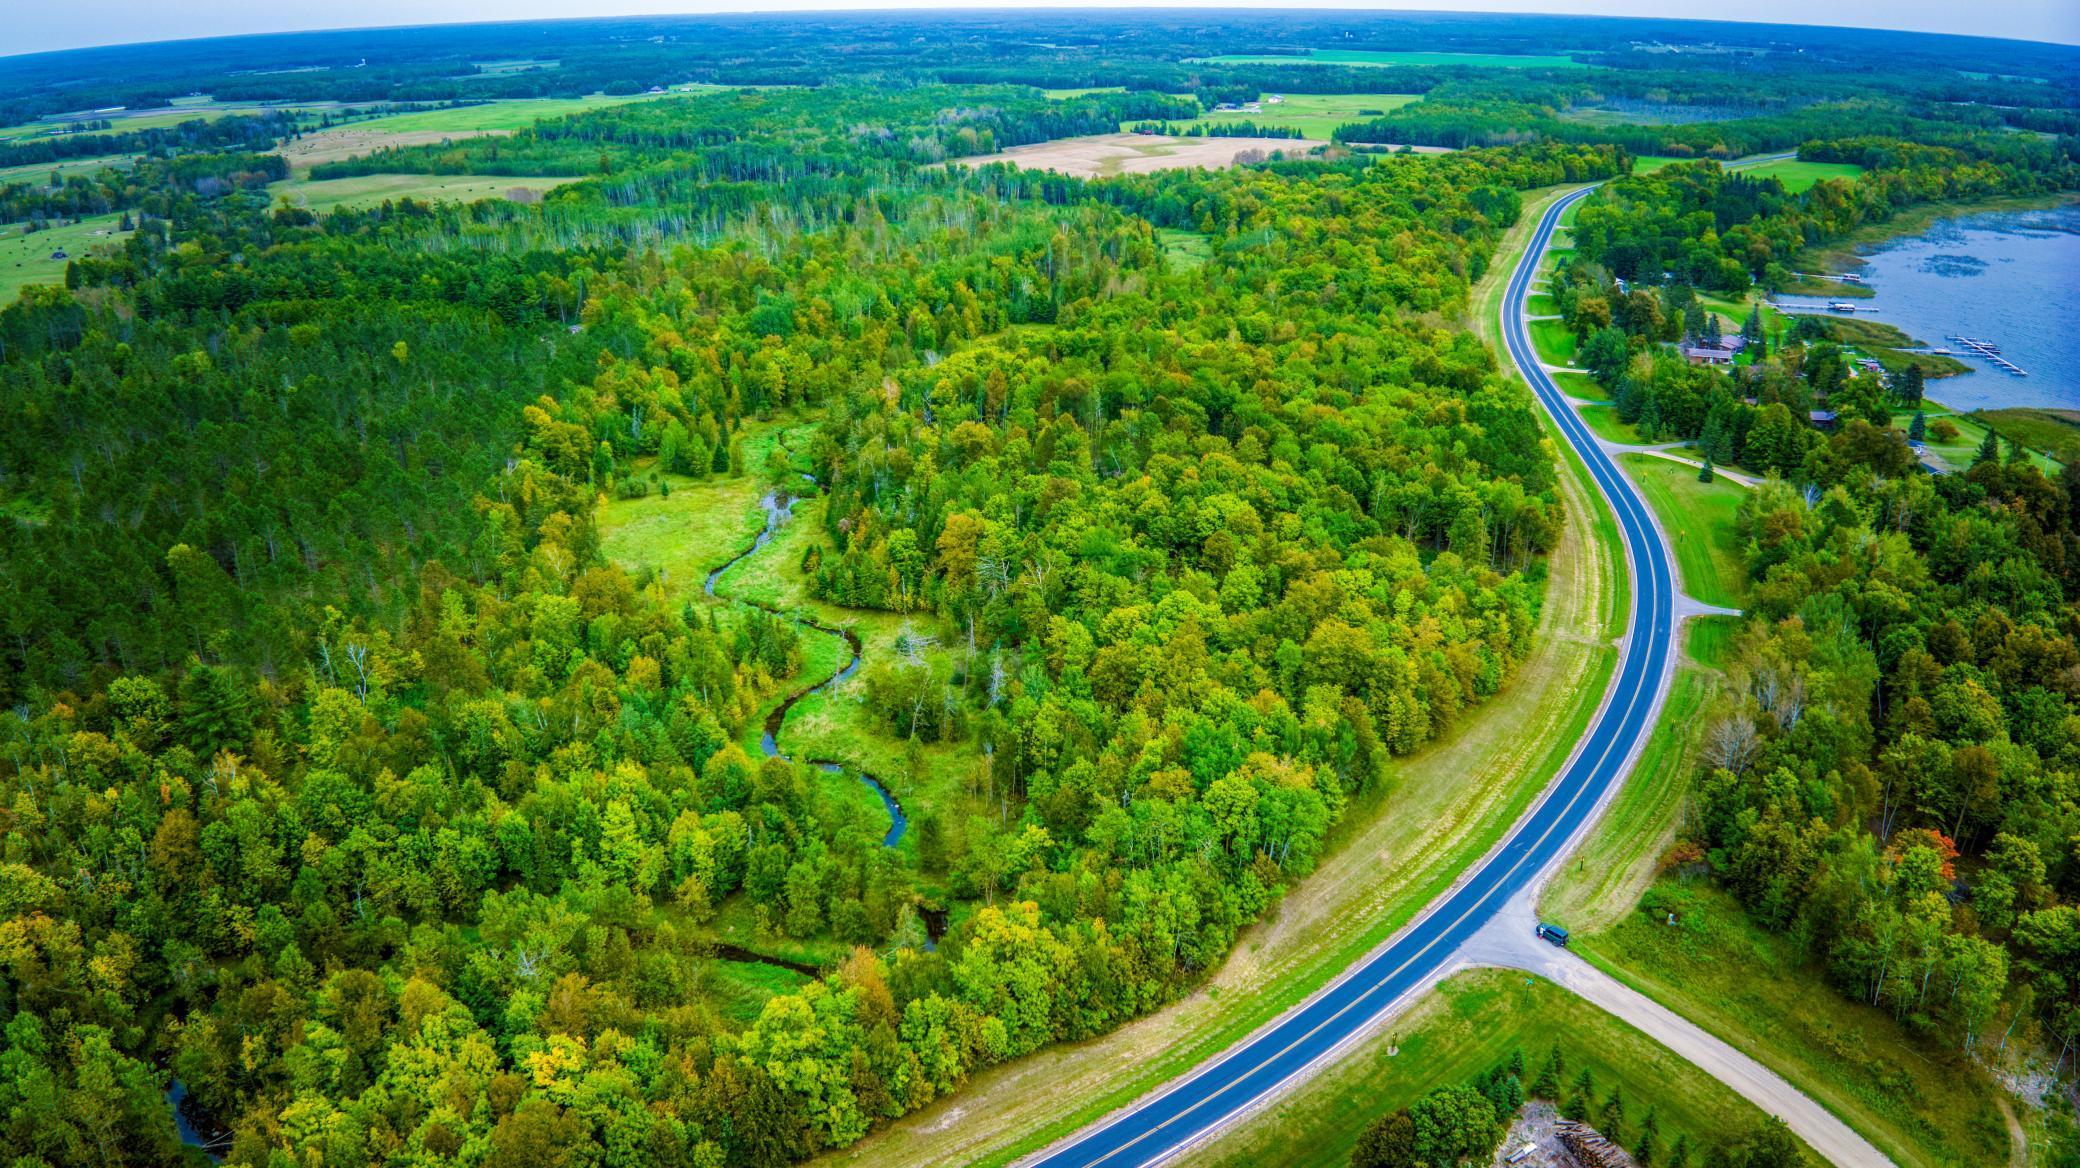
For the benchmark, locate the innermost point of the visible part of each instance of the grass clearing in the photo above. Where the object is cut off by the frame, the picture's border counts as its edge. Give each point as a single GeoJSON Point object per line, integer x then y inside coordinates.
{"type": "Point", "coordinates": [1800, 176]}
{"type": "Point", "coordinates": [1372, 57]}
{"type": "Point", "coordinates": [25, 256]}
{"type": "Point", "coordinates": [742, 988]}
{"type": "Point", "coordinates": [2055, 432]}
{"type": "Point", "coordinates": [1555, 343]}
{"type": "Point", "coordinates": [1315, 115]}
{"type": "Point", "coordinates": [1923, 1107]}
{"type": "Point", "coordinates": [1471, 1022]}
{"type": "Point", "coordinates": [1962, 451]}
{"type": "Point", "coordinates": [1186, 249]}
{"type": "Point", "coordinates": [1699, 520]}
{"type": "Point", "coordinates": [368, 190]}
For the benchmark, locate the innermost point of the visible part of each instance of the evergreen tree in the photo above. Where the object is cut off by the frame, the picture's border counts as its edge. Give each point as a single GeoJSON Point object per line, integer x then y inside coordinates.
{"type": "Point", "coordinates": [1917, 430]}
{"type": "Point", "coordinates": [1752, 327]}
{"type": "Point", "coordinates": [1547, 1085]}
{"type": "Point", "coordinates": [1913, 385]}
{"type": "Point", "coordinates": [1611, 1120]}
{"type": "Point", "coordinates": [1704, 473]}
{"type": "Point", "coordinates": [1989, 450]}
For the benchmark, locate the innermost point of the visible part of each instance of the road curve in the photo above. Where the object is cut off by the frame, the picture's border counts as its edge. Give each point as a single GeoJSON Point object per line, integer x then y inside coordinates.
{"type": "Point", "coordinates": [1158, 1127]}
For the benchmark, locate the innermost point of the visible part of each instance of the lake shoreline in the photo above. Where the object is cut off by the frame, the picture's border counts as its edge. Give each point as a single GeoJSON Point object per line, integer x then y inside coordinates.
{"type": "Point", "coordinates": [1849, 253]}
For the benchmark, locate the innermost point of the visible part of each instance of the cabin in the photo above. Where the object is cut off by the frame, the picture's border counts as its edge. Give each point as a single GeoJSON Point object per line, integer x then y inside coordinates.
{"type": "Point", "coordinates": [1706, 355]}
{"type": "Point", "coordinates": [1824, 421]}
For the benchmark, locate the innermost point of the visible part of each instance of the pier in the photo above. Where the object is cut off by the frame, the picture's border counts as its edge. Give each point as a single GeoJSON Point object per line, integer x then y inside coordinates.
{"type": "Point", "coordinates": [1991, 353]}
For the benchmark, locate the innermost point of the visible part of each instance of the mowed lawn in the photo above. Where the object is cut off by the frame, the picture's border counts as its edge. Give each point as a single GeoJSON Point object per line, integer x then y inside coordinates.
{"type": "Point", "coordinates": [25, 259]}
{"type": "Point", "coordinates": [1370, 57]}
{"type": "Point", "coordinates": [1472, 1022]}
{"type": "Point", "coordinates": [368, 190]}
{"type": "Point", "coordinates": [1698, 518]}
{"type": "Point", "coordinates": [1922, 1103]}
{"type": "Point", "coordinates": [1315, 115]}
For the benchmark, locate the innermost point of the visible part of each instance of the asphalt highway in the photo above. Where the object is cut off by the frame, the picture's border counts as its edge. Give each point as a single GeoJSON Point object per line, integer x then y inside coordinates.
{"type": "Point", "coordinates": [1166, 1122]}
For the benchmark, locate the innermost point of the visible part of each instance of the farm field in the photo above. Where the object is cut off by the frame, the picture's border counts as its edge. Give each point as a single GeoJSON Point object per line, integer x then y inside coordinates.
{"type": "Point", "coordinates": [25, 259]}
{"type": "Point", "coordinates": [42, 171]}
{"type": "Point", "coordinates": [1369, 57]}
{"type": "Point", "coordinates": [1314, 114]}
{"type": "Point", "coordinates": [370, 189]}
{"type": "Point", "coordinates": [1105, 154]}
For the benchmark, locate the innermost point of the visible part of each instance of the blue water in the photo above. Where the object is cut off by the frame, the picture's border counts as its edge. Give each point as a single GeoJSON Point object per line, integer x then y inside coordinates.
{"type": "Point", "coordinates": [2011, 278]}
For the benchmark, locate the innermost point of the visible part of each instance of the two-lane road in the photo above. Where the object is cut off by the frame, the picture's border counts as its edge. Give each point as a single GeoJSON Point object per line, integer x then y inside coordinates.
{"type": "Point", "coordinates": [1156, 1128]}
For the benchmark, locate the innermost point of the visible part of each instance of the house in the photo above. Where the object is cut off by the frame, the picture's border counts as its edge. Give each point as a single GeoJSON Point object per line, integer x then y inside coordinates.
{"type": "Point", "coordinates": [1869, 365]}
{"type": "Point", "coordinates": [1822, 420]}
{"type": "Point", "coordinates": [1706, 355]}
{"type": "Point", "coordinates": [1733, 342]}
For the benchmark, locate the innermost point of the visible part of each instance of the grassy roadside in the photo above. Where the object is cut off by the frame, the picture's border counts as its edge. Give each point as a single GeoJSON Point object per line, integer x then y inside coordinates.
{"type": "Point", "coordinates": [1923, 1107]}
{"type": "Point", "coordinates": [1699, 520]}
{"type": "Point", "coordinates": [1468, 1024]}
{"type": "Point", "coordinates": [1396, 850]}
{"type": "Point", "coordinates": [1619, 860]}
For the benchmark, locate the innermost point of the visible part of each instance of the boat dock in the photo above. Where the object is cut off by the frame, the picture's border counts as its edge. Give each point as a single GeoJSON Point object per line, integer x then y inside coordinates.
{"type": "Point", "coordinates": [1991, 353]}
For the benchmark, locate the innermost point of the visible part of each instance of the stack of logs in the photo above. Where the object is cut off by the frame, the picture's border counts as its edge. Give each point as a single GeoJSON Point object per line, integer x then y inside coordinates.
{"type": "Point", "coordinates": [1588, 1146]}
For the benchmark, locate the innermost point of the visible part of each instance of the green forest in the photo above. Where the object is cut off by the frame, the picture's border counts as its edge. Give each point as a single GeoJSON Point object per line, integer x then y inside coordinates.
{"type": "Point", "coordinates": [356, 789]}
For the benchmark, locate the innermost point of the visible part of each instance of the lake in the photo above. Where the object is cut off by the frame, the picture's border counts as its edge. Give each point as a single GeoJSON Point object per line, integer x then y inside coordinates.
{"type": "Point", "coordinates": [2011, 278]}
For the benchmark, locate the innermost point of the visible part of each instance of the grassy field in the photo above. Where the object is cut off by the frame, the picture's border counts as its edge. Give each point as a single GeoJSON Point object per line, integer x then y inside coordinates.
{"type": "Point", "coordinates": [1924, 1107]}
{"type": "Point", "coordinates": [41, 172]}
{"type": "Point", "coordinates": [1468, 1024]}
{"type": "Point", "coordinates": [1314, 114]}
{"type": "Point", "coordinates": [1798, 176]}
{"type": "Point", "coordinates": [2055, 432]}
{"type": "Point", "coordinates": [1698, 518]}
{"type": "Point", "coordinates": [1963, 450]}
{"type": "Point", "coordinates": [1369, 57]}
{"type": "Point", "coordinates": [25, 258]}
{"type": "Point", "coordinates": [514, 114]}
{"type": "Point", "coordinates": [1086, 91]}
{"type": "Point", "coordinates": [368, 190]}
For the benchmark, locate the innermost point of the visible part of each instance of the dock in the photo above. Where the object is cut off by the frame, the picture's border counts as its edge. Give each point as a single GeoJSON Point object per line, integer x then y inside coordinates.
{"type": "Point", "coordinates": [1990, 353]}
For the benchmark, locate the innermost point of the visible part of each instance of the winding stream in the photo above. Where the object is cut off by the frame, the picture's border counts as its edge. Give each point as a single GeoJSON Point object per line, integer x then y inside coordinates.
{"type": "Point", "coordinates": [779, 509]}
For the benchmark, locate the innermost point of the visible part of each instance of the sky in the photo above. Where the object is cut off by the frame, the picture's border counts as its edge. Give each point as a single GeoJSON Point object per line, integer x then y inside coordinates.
{"type": "Point", "coordinates": [41, 25]}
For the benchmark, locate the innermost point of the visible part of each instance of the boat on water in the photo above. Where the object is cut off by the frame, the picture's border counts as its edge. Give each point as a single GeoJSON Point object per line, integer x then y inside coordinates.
{"type": "Point", "coordinates": [1840, 306]}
